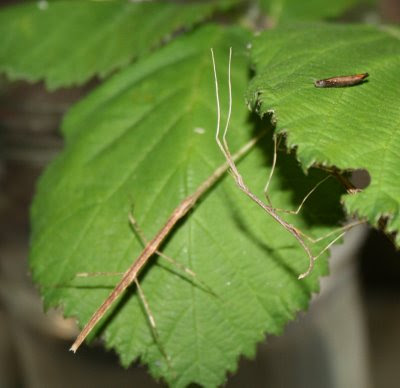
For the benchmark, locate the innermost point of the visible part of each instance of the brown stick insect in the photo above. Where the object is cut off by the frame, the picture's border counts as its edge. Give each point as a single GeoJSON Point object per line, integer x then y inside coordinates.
{"type": "Point", "coordinates": [152, 247]}
{"type": "Point", "coordinates": [273, 212]}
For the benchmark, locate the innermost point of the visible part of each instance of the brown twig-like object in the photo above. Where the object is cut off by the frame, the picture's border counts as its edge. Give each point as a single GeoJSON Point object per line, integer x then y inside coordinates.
{"type": "Point", "coordinates": [132, 273]}
{"type": "Point", "coordinates": [223, 145]}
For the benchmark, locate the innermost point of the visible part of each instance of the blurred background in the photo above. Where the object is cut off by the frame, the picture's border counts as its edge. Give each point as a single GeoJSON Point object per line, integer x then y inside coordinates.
{"type": "Point", "coordinates": [350, 337]}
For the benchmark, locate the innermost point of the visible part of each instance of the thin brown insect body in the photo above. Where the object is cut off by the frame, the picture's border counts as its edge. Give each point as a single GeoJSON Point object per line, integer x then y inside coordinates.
{"type": "Point", "coordinates": [131, 274]}
{"type": "Point", "coordinates": [152, 246]}
{"type": "Point", "coordinates": [343, 80]}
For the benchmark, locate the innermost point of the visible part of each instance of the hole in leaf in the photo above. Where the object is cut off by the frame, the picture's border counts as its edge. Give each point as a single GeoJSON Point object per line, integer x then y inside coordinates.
{"type": "Point", "coordinates": [360, 179]}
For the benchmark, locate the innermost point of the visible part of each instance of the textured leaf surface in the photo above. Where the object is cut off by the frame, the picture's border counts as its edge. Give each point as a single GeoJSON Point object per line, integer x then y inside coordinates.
{"type": "Point", "coordinates": [146, 137]}
{"type": "Point", "coordinates": [66, 43]}
{"type": "Point", "coordinates": [306, 10]}
{"type": "Point", "coordinates": [351, 128]}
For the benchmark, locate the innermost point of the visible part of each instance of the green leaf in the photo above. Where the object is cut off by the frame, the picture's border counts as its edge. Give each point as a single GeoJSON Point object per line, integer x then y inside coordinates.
{"type": "Point", "coordinates": [146, 137]}
{"type": "Point", "coordinates": [350, 128]}
{"type": "Point", "coordinates": [67, 43]}
{"type": "Point", "coordinates": [306, 10]}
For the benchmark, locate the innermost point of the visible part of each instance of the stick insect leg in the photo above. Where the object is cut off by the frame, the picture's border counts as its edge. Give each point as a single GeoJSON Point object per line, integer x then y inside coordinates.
{"type": "Point", "coordinates": [183, 268]}
{"type": "Point", "coordinates": [312, 240]}
{"type": "Point", "coordinates": [222, 144]}
{"type": "Point", "coordinates": [92, 274]}
{"type": "Point", "coordinates": [342, 229]}
{"type": "Point", "coordinates": [266, 188]}
{"type": "Point", "coordinates": [152, 323]}
{"type": "Point", "coordinates": [143, 240]}
{"type": "Point", "coordinates": [304, 199]}
{"type": "Point", "coordinates": [146, 307]}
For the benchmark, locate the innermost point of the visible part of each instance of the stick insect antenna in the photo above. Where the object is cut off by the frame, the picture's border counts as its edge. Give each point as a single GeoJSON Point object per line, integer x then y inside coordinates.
{"type": "Point", "coordinates": [236, 175]}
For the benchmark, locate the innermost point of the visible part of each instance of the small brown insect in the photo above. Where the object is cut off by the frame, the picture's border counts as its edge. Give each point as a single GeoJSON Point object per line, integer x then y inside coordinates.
{"type": "Point", "coordinates": [344, 80]}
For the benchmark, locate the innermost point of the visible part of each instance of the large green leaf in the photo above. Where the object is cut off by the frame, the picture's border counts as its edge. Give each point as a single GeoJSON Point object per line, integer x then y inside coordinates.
{"type": "Point", "coordinates": [306, 10]}
{"type": "Point", "coordinates": [146, 137]}
{"type": "Point", "coordinates": [66, 43]}
{"type": "Point", "coordinates": [351, 128]}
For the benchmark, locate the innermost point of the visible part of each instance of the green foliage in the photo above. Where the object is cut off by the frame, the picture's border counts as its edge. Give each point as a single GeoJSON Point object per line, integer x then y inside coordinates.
{"type": "Point", "coordinates": [66, 43]}
{"type": "Point", "coordinates": [350, 128]}
{"type": "Point", "coordinates": [310, 10]}
{"type": "Point", "coordinates": [147, 137]}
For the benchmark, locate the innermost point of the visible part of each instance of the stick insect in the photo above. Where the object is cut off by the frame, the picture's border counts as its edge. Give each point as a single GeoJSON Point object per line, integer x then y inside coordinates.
{"type": "Point", "coordinates": [152, 247]}
{"type": "Point", "coordinates": [146, 306]}
{"type": "Point", "coordinates": [273, 212]}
